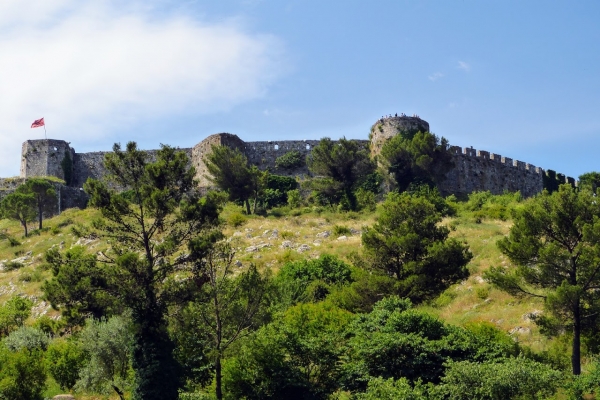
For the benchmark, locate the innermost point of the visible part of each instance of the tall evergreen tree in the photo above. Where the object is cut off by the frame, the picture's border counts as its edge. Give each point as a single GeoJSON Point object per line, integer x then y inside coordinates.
{"type": "Point", "coordinates": [157, 229]}
{"type": "Point", "coordinates": [555, 245]}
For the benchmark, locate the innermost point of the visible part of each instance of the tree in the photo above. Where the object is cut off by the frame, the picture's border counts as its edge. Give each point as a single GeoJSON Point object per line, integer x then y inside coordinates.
{"type": "Point", "coordinates": [14, 313]}
{"type": "Point", "coordinates": [555, 245]}
{"type": "Point", "coordinates": [20, 207]}
{"type": "Point", "coordinates": [159, 232]}
{"type": "Point", "coordinates": [344, 161]}
{"type": "Point", "coordinates": [590, 180]}
{"type": "Point", "coordinates": [227, 309]}
{"type": "Point", "coordinates": [416, 158]}
{"type": "Point", "coordinates": [408, 243]}
{"type": "Point", "coordinates": [230, 172]}
{"type": "Point", "coordinates": [44, 194]}
{"type": "Point", "coordinates": [22, 374]}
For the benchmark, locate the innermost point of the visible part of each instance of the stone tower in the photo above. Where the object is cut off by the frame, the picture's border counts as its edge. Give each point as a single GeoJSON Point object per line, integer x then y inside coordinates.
{"type": "Point", "coordinates": [203, 148]}
{"type": "Point", "coordinates": [44, 157]}
{"type": "Point", "coordinates": [386, 128]}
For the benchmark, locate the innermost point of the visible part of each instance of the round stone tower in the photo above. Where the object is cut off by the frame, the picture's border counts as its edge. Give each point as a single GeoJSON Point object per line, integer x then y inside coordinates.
{"type": "Point", "coordinates": [204, 148]}
{"type": "Point", "coordinates": [385, 128]}
{"type": "Point", "coordinates": [46, 157]}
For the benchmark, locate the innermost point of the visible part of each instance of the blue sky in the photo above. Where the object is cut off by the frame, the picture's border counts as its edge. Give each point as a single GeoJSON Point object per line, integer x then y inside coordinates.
{"type": "Point", "coordinates": [521, 79]}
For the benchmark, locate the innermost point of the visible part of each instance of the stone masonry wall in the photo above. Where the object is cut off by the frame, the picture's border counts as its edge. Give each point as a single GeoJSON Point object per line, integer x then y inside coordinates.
{"type": "Point", "coordinates": [44, 157]}
{"type": "Point", "coordinates": [474, 170]}
{"type": "Point", "coordinates": [479, 170]}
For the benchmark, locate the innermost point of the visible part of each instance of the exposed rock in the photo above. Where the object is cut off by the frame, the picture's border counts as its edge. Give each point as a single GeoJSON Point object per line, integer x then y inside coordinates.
{"type": "Point", "coordinates": [324, 234]}
{"type": "Point", "coordinates": [519, 330]}
{"type": "Point", "coordinates": [342, 238]}
{"type": "Point", "coordinates": [63, 397]}
{"type": "Point", "coordinates": [302, 248]}
{"type": "Point", "coordinates": [251, 249]}
{"type": "Point", "coordinates": [287, 244]}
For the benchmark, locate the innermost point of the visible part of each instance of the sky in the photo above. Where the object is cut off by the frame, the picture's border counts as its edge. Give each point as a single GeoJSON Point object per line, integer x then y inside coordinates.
{"type": "Point", "coordinates": [520, 79]}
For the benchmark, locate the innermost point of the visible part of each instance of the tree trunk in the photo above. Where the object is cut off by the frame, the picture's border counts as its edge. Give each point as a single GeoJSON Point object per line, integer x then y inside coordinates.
{"type": "Point", "coordinates": [25, 226]}
{"type": "Point", "coordinates": [247, 207]}
{"type": "Point", "coordinates": [40, 217]}
{"type": "Point", "coordinates": [576, 356]}
{"type": "Point", "coordinates": [218, 377]}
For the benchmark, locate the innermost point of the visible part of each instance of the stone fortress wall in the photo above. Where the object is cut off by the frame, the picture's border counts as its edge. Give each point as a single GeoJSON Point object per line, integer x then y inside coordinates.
{"type": "Point", "coordinates": [474, 169]}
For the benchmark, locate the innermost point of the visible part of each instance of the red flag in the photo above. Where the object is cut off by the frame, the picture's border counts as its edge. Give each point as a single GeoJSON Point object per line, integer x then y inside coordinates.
{"type": "Point", "coordinates": [37, 123]}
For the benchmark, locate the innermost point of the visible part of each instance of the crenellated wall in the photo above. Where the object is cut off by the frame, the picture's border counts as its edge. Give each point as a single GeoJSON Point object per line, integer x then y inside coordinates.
{"type": "Point", "coordinates": [474, 169]}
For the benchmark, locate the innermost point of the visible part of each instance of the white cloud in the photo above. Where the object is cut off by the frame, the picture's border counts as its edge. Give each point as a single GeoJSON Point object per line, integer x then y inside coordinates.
{"type": "Point", "coordinates": [96, 65]}
{"type": "Point", "coordinates": [435, 76]}
{"type": "Point", "coordinates": [464, 66]}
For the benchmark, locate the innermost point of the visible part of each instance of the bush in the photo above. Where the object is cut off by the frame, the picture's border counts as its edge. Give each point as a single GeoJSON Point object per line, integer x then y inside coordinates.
{"type": "Point", "coordinates": [236, 219]}
{"type": "Point", "coordinates": [64, 359]}
{"type": "Point", "coordinates": [22, 374]}
{"type": "Point", "coordinates": [366, 200]}
{"type": "Point", "coordinates": [12, 265]}
{"type": "Point", "coordinates": [108, 346]}
{"type": "Point", "coordinates": [513, 378]}
{"type": "Point", "coordinates": [27, 338]}
{"type": "Point", "coordinates": [340, 230]}
{"type": "Point", "coordinates": [14, 313]}
{"type": "Point", "coordinates": [294, 199]}
{"type": "Point", "coordinates": [290, 160]}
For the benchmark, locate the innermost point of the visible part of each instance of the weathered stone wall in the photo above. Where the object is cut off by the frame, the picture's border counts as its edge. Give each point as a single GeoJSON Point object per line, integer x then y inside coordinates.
{"type": "Point", "coordinates": [474, 170]}
{"type": "Point", "coordinates": [43, 157]}
{"type": "Point", "coordinates": [264, 154]}
{"type": "Point", "coordinates": [386, 128]}
{"type": "Point", "coordinates": [477, 170]}
{"type": "Point", "coordinates": [203, 148]}
{"type": "Point", "coordinates": [91, 165]}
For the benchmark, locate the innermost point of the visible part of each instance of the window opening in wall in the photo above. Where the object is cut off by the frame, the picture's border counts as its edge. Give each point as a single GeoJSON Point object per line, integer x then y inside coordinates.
{"type": "Point", "coordinates": [276, 147]}
{"type": "Point", "coordinates": [308, 147]}
{"type": "Point", "coordinates": [55, 149]}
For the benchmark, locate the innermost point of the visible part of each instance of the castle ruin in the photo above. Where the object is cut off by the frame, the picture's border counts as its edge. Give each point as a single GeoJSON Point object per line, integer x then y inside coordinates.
{"type": "Point", "coordinates": [474, 170]}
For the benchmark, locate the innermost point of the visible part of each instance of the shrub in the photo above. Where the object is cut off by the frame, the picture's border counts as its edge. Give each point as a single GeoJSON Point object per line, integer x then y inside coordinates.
{"type": "Point", "coordinates": [64, 359]}
{"type": "Point", "coordinates": [366, 200]}
{"type": "Point", "coordinates": [14, 313]}
{"type": "Point", "coordinates": [294, 199]}
{"type": "Point", "coordinates": [291, 159]}
{"type": "Point", "coordinates": [22, 374]}
{"type": "Point", "coordinates": [12, 265]}
{"type": "Point", "coordinates": [236, 219]}
{"type": "Point", "coordinates": [340, 230]}
{"type": "Point", "coordinates": [28, 338]}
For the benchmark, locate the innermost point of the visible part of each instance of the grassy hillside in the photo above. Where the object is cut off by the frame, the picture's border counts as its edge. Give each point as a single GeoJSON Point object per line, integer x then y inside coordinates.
{"type": "Point", "coordinates": [283, 236]}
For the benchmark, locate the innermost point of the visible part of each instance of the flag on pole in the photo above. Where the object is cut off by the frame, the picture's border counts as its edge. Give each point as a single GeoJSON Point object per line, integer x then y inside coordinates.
{"type": "Point", "coordinates": [38, 122]}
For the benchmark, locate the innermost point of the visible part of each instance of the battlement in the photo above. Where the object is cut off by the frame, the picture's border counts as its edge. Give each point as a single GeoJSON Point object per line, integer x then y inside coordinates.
{"type": "Point", "coordinates": [474, 169]}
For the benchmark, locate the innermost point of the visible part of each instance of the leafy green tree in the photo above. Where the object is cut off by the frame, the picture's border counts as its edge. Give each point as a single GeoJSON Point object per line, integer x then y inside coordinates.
{"type": "Point", "coordinates": [107, 346]}
{"type": "Point", "coordinates": [390, 389]}
{"type": "Point", "coordinates": [416, 158]}
{"type": "Point", "coordinates": [344, 161]}
{"type": "Point", "coordinates": [64, 360]}
{"type": "Point", "coordinates": [27, 337]}
{"type": "Point", "coordinates": [396, 341]}
{"type": "Point", "coordinates": [408, 243]}
{"type": "Point", "coordinates": [14, 313]}
{"type": "Point", "coordinates": [307, 280]}
{"type": "Point", "coordinates": [19, 207]}
{"type": "Point", "coordinates": [228, 308]}
{"type": "Point", "coordinates": [44, 194]}
{"type": "Point", "coordinates": [514, 378]}
{"type": "Point", "coordinates": [230, 172]}
{"type": "Point", "coordinates": [590, 180]}
{"type": "Point", "coordinates": [160, 232]}
{"type": "Point", "coordinates": [80, 288]}
{"type": "Point", "coordinates": [555, 245]}
{"type": "Point", "coordinates": [290, 160]}
{"type": "Point", "coordinates": [22, 374]}
{"type": "Point", "coordinates": [295, 357]}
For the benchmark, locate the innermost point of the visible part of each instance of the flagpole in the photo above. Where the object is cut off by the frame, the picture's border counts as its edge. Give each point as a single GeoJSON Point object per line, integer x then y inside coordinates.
{"type": "Point", "coordinates": [46, 136]}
